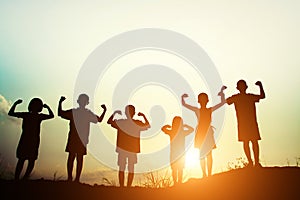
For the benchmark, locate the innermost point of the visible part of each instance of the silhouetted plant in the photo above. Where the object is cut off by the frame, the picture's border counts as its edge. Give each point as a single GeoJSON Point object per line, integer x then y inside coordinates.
{"type": "Point", "coordinates": [157, 181]}
{"type": "Point", "coordinates": [5, 172]}
{"type": "Point", "coordinates": [109, 182]}
{"type": "Point", "coordinates": [55, 177]}
{"type": "Point", "coordinates": [239, 163]}
{"type": "Point", "coordinates": [297, 161]}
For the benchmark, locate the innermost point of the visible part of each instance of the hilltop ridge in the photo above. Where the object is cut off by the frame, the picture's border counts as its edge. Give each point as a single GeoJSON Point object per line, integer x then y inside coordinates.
{"type": "Point", "coordinates": [245, 183]}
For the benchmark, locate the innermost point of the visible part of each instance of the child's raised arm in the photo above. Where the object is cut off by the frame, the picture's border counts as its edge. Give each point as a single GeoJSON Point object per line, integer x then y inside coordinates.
{"type": "Point", "coordinates": [146, 124]}
{"type": "Point", "coordinates": [166, 129]}
{"type": "Point", "coordinates": [223, 101]}
{"type": "Point", "coordinates": [50, 115]}
{"type": "Point", "coordinates": [111, 120]}
{"type": "Point", "coordinates": [59, 111]}
{"type": "Point", "coordinates": [195, 109]}
{"type": "Point", "coordinates": [11, 111]}
{"type": "Point", "coordinates": [187, 129]}
{"type": "Point", "coordinates": [103, 113]}
{"type": "Point", "coordinates": [262, 92]}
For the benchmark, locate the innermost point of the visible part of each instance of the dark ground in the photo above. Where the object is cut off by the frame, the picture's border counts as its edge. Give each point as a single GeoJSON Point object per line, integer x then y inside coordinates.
{"type": "Point", "coordinates": [263, 183]}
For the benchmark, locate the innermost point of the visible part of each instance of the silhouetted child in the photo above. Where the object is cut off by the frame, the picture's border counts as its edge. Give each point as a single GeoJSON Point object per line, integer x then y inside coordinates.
{"type": "Point", "coordinates": [128, 140]}
{"type": "Point", "coordinates": [204, 138]}
{"type": "Point", "coordinates": [78, 138]}
{"type": "Point", "coordinates": [177, 133]}
{"type": "Point", "coordinates": [28, 147]}
{"type": "Point", "coordinates": [246, 118]}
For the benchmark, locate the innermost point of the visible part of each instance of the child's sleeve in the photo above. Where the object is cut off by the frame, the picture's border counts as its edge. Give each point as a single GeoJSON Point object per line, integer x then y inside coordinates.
{"type": "Point", "coordinates": [20, 114]}
{"type": "Point", "coordinates": [231, 100]}
{"type": "Point", "coordinates": [114, 123]}
{"type": "Point", "coordinates": [45, 117]}
{"type": "Point", "coordinates": [92, 117]}
{"type": "Point", "coordinates": [141, 125]}
{"type": "Point", "coordinates": [66, 114]}
{"type": "Point", "coordinates": [255, 97]}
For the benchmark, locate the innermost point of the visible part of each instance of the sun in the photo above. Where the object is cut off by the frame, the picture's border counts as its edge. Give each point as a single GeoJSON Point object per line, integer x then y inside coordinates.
{"type": "Point", "coordinates": [192, 158]}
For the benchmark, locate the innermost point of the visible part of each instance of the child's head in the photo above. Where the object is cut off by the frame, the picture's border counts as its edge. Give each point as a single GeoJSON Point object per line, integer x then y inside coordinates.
{"type": "Point", "coordinates": [177, 122]}
{"type": "Point", "coordinates": [203, 99]}
{"type": "Point", "coordinates": [83, 100]}
{"type": "Point", "coordinates": [35, 105]}
{"type": "Point", "coordinates": [241, 86]}
{"type": "Point", "coordinates": [129, 111]}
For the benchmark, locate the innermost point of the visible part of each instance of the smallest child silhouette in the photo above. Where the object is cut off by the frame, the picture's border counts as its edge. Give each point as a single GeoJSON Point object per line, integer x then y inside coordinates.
{"type": "Point", "coordinates": [29, 142]}
{"type": "Point", "coordinates": [177, 133]}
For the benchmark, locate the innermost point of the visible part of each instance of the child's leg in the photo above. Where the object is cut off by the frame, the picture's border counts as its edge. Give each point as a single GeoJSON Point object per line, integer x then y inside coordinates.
{"type": "Point", "coordinates": [203, 166]}
{"type": "Point", "coordinates": [247, 152]}
{"type": "Point", "coordinates": [174, 174]}
{"type": "Point", "coordinates": [180, 173]}
{"type": "Point", "coordinates": [121, 177]}
{"type": "Point", "coordinates": [132, 160]}
{"type": "Point", "coordinates": [29, 169]}
{"type": "Point", "coordinates": [209, 163]}
{"type": "Point", "coordinates": [256, 152]}
{"type": "Point", "coordinates": [79, 159]}
{"type": "Point", "coordinates": [70, 163]}
{"type": "Point", "coordinates": [19, 168]}
{"type": "Point", "coordinates": [122, 166]}
{"type": "Point", "coordinates": [130, 174]}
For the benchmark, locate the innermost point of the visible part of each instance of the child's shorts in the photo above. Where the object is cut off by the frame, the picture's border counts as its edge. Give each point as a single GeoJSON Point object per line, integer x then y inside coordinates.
{"type": "Point", "coordinates": [125, 157]}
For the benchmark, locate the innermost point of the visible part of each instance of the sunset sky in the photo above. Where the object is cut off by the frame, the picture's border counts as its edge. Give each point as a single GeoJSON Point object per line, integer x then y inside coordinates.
{"type": "Point", "coordinates": [44, 46]}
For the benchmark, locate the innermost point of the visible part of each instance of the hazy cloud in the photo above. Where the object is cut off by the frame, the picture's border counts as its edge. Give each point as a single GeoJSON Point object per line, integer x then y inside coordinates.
{"type": "Point", "coordinates": [5, 105]}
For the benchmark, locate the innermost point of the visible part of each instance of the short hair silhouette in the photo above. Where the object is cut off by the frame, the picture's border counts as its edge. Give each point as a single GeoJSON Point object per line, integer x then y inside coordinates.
{"type": "Point", "coordinates": [83, 99]}
{"type": "Point", "coordinates": [203, 98]}
{"type": "Point", "coordinates": [241, 85]}
{"type": "Point", "coordinates": [35, 105]}
{"type": "Point", "coordinates": [130, 110]}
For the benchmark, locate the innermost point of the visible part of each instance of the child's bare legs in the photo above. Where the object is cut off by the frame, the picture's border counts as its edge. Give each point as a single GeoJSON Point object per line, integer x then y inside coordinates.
{"type": "Point", "coordinates": [174, 174]}
{"type": "Point", "coordinates": [203, 166]}
{"type": "Point", "coordinates": [180, 173]}
{"type": "Point", "coordinates": [130, 174]}
{"type": "Point", "coordinates": [256, 152]}
{"type": "Point", "coordinates": [19, 168]}
{"type": "Point", "coordinates": [70, 164]}
{"type": "Point", "coordinates": [209, 163]}
{"type": "Point", "coordinates": [79, 160]}
{"type": "Point", "coordinates": [247, 152]}
{"type": "Point", "coordinates": [29, 169]}
{"type": "Point", "coordinates": [121, 174]}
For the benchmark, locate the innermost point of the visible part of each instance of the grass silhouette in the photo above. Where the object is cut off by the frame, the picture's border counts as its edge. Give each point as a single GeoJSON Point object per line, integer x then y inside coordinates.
{"type": "Point", "coordinates": [156, 180]}
{"type": "Point", "coordinates": [241, 183]}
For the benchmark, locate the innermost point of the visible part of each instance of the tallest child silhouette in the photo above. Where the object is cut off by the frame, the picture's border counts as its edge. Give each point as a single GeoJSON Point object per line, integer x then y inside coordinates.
{"type": "Point", "coordinates": [246, 118]}
{"type": "Point", "coordinates": [78, 138]}
{"type": "Point", "coordinates": [29, 143]}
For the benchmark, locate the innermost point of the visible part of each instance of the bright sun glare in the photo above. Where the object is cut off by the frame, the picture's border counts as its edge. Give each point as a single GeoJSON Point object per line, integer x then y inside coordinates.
{"type": "Point", "coordinates": [192, 158]}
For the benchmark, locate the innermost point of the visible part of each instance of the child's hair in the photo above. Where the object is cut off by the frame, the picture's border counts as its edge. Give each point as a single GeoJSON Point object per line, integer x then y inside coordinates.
{"type": "Point", "coordinates": [177, 122]}
{"type": "Point", "coordinates": [130, 110]}
{"type": "Point", "coordinates": [241, 85]}
{"type": "Point", "coordinates": [83, 99]}
{"type": "Point", "coordinates": [202, 98]}
{"type": "Point", "coordinates": [35, 105]}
